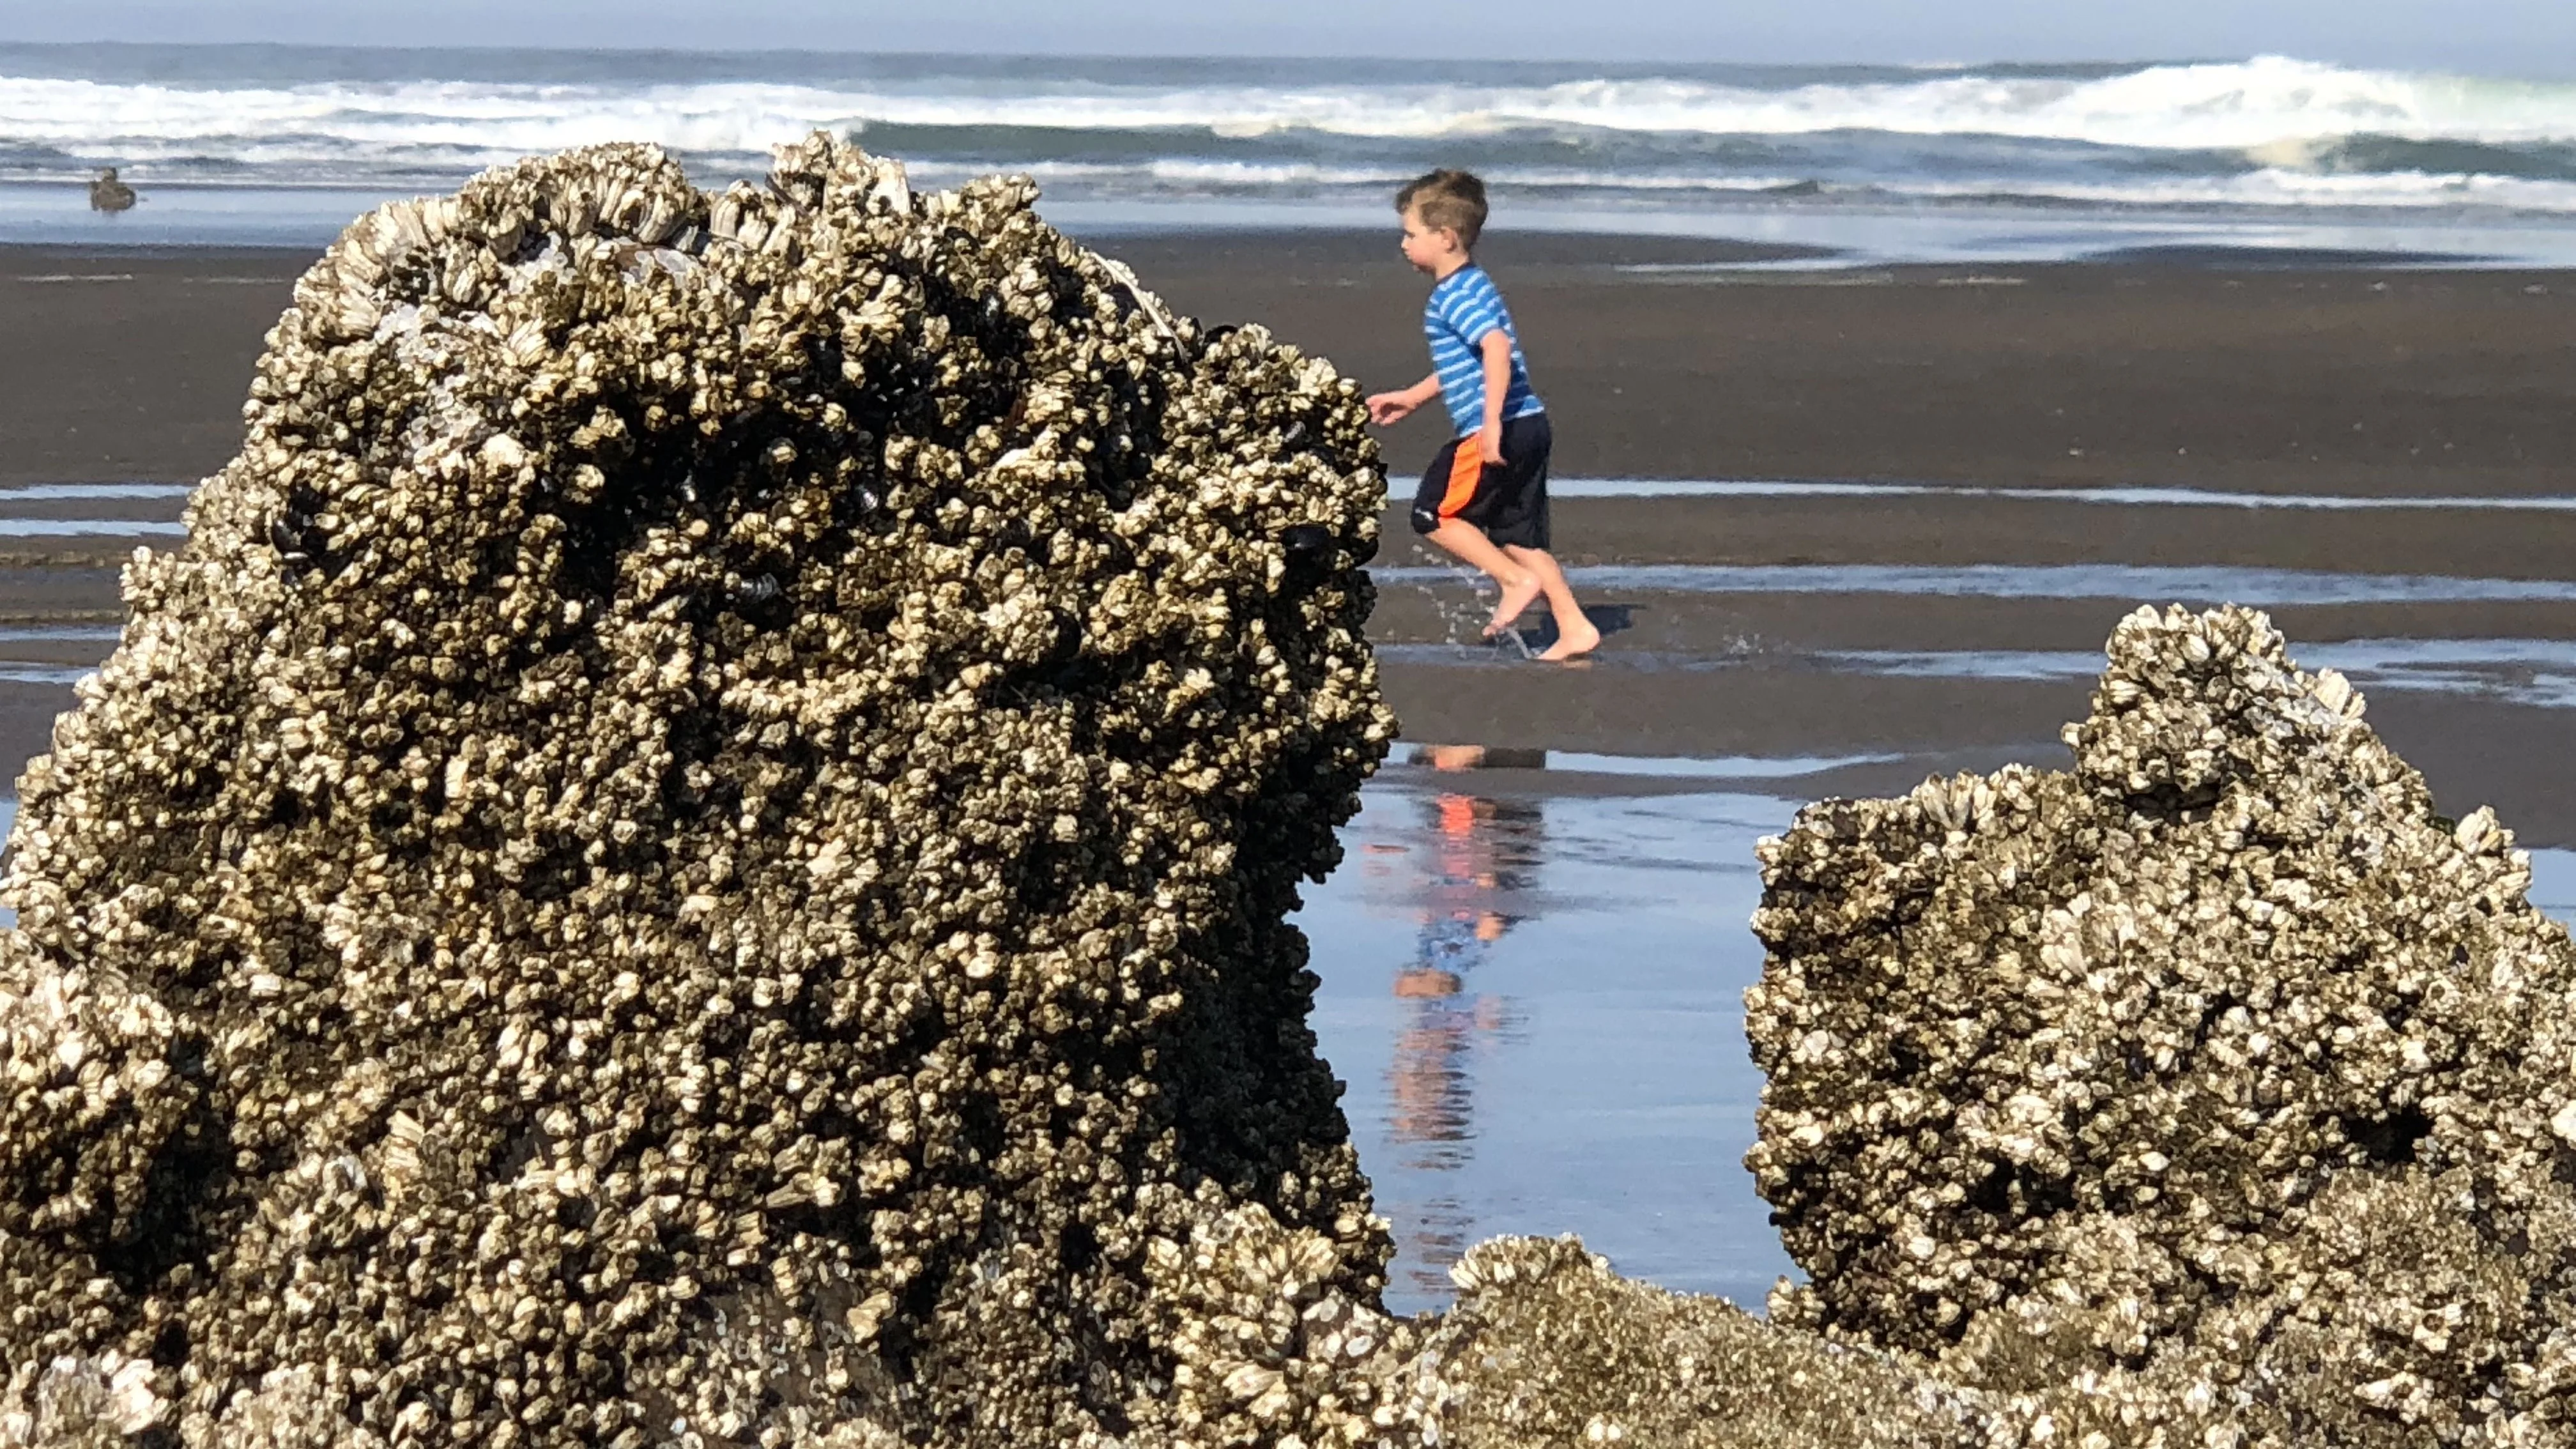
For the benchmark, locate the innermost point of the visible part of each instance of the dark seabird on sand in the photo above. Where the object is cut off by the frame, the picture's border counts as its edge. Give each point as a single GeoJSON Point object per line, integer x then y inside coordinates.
{"type": "Point", "coordinates": [109, 194]}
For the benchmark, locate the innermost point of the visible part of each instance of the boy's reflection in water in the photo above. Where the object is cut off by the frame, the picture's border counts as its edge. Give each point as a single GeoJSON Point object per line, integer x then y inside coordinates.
{"type": "Point", "coordinates": [1484, 857]}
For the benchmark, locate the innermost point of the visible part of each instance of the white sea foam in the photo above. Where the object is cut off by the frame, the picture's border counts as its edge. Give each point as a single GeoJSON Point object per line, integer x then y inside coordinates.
{"type": "Point", "coordinates": [2274, 187]}
{"type": "Point", "coordinates": [2269, 189]}
{"type": "Point", "coordinates": [2272, 105]}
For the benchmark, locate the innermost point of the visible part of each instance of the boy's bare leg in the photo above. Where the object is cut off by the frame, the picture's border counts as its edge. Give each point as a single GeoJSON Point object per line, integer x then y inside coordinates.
{"type": "Point", "coordinates": [1575, 634]}
{"type": "Point", "coordinates": [1519, 584]}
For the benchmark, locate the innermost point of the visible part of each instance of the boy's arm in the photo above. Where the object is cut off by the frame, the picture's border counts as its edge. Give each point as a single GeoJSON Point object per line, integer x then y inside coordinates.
{"type": "Point", "coordinates": [1497, 348]}
{"type": "Point", "coordinates": [1388, 408]}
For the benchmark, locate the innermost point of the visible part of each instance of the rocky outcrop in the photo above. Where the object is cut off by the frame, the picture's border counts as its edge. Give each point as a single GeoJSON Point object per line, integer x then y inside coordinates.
{"type": "Point", "coordinates": [2216, 1091]}
{"type": "Point", "coordinates": [696, 847]}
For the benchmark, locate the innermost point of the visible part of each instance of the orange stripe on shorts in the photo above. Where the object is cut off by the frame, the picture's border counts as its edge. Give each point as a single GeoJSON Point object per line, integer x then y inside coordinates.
{"type": "Point", "coordinates": [1464, 469]}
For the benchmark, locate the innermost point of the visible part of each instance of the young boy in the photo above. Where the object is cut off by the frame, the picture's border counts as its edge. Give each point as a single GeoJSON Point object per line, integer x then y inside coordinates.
{"type": "Point", "coordinates": [1485, 496]}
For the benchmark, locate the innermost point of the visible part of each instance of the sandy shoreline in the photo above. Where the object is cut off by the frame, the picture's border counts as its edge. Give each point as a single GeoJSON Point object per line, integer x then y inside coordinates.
{"type": "Point", "coordinates": [2344, 380]}
{"type": "Point", "coordinates": [1669, 359]}
{"type": "Point", "coordinates": [2339, 380]}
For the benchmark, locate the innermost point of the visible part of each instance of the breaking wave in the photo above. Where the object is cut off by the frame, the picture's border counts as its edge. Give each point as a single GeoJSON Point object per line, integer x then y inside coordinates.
{"type": "Point", "coordinates": [2266, 132]}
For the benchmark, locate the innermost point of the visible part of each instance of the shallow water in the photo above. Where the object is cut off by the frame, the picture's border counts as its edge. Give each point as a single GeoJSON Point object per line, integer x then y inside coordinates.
{"type": "Point", "coordinates": [1537, 1005]}
{"type": "Point", "coordinates": [2131, 497]}
{"type": "Point", "coordinates": [2539, 672]}
{"type": "Point", "coordinates": [2136, 497]}
{"type": "Point", "coordinates": [1455, 759]}
{"type": "Point", "coordinates": [1854, 232]}
{"type": "Point", "coordinates": [2553, 882]}
{"type": "Point", "coordinates": [1532, 984]}
{"type": "Point", "coordinates": [90, 528]}
{"type": "Point", "coordinates": [48, 492]}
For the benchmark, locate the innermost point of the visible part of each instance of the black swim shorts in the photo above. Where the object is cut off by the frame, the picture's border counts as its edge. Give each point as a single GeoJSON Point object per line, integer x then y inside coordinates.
{"type": "Point", "coordinates": [1507, 500]}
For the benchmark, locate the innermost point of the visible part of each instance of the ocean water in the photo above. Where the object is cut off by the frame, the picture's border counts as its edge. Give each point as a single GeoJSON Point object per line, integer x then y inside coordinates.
{"type": "Point", "coordinates": [1536, 1003]}
{"type": "Point", "coordinates": [2537, 672]}
{"type": "Point", "coordinates": [238, 142]}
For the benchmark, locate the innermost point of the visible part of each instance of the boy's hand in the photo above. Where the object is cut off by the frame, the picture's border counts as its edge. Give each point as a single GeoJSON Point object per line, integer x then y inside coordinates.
{"type": "Point", "coordinates": [1489, 444]}
{"type": "Point", "coordinates": [1386, 409]}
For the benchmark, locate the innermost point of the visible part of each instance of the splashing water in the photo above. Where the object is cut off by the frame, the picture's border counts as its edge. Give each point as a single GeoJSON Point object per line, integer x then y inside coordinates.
{"type": "Point", "coordinates": [1455, 616]}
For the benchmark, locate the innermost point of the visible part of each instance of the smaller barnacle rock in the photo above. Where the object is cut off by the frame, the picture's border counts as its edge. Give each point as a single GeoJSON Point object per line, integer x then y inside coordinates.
{"type": "Point", "coordinates": [1547, 1346]}
{"type": "Point", "coordinates": [2216, 1091]}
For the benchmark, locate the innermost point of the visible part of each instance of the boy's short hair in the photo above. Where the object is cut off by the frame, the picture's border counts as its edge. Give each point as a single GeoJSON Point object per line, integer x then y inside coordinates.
{"type": "Point", "coordinates": [1452, 199]}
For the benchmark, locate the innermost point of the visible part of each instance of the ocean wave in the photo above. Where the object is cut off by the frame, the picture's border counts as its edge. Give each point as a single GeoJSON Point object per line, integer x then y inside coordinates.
{"type": "Point", "coordinates": [2267, 188]}
{"type": "Point", "coordinates": [2235, 105]}
{"type": "Point", "coordinates": [2535, 161]}
{"type": "Point", "coordinates": [2276, 187]}
{"type": "Point", "coordinates": [2265, 134]}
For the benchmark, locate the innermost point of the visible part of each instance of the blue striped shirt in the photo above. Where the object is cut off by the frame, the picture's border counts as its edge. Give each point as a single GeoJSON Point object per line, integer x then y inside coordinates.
{"type": "Point", "coordinates": [1464, 308]}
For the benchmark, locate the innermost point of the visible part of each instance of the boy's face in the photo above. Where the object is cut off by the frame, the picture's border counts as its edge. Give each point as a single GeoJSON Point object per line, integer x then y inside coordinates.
{"type": "Point", "coordinates": [1427, 246]}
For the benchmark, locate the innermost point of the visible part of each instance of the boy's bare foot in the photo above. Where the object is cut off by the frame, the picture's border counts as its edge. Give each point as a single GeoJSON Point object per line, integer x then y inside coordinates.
{"type": "Point", "coordinates": [1515, 602]}
{"type": "Point", "coordinates": [1573, 644]}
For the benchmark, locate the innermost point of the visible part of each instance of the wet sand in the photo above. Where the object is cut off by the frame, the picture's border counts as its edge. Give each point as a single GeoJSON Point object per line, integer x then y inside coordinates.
{"type": "Point", "coordinates": [130, 365]}
{"type": "Point", "coordinates": [2274, 380]}
{"type": "Point", "coordinates": [2265, 379]}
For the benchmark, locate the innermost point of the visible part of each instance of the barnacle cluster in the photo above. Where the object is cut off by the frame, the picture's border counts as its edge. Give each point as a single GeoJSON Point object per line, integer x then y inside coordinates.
{"type": "Point", "coordinates": [2216, 1092]}
{"type": "Point", "coordinates": [1546, 1345]}
{"type": "Point", "coordinates": [695, 850]}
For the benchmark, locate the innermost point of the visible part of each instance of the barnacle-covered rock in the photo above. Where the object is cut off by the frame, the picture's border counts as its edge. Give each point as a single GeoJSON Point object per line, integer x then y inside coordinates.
{"type": "Point", "coordinates": [1268, 1345]}
{"type": "Point", "coordinates": [2218, 1091]}
{"type": "Point", "coordinates": [89, 1105]}
{"type": "Point", "coordinates": [78, 1403]}
{"type": "Point", "coordinates": [1547, 1346]}
{"type": "Point", "coordinates": [695, 848]}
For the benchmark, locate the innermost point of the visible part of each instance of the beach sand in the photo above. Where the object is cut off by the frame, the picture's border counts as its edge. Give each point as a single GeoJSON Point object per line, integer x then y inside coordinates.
{"type": "Point", "coordinates": [1680, 359]}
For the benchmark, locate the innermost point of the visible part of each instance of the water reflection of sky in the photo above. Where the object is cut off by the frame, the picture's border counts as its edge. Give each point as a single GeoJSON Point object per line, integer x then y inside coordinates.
{"type": "Point", "coordinates": [8, 823]}
{"type": "Point", "coordinates": [2538, 672]}
{"type": "Point", "coordinates": [1537, 1005]}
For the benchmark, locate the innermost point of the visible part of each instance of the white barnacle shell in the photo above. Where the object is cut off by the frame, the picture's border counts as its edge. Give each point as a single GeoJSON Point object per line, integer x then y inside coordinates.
{"type": "Point", "coordinates": [2337, 694]}
{"type": "Point", "coordinates": [526, 344]}
{"type": "Point", "coordinates": [2478, 833]}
